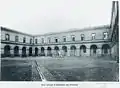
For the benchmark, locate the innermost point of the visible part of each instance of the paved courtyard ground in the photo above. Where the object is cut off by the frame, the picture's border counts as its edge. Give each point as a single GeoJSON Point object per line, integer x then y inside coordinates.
{"type": "Point", "coordinates": [60, 69]}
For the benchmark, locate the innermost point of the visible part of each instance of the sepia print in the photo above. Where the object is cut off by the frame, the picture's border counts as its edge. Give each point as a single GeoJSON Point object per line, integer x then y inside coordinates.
{"type": "Point", "coordinates": [88, 54]}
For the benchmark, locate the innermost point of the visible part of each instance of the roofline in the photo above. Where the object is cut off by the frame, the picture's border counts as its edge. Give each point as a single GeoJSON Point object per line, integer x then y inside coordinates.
{"type": "Point", "coordinates": [15, 31]}
{"type": "Point", "coordinates": [76, 30]}
{"type": "Point", "coordinates": [52, 33]}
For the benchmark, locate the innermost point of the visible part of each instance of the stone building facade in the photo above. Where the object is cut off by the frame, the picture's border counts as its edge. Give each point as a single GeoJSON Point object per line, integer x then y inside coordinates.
{"type": "Point", "coordinates": [93, 41]}
{"type": "Point", "coordinates": [85, 42]}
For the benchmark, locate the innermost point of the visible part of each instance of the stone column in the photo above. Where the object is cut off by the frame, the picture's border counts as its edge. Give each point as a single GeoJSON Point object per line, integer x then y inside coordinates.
{"type": "Point", "coordinates": [77, 52]}
{"type": "Point", "coordinates": [87, 51]}
{"type": "Point", "coordinates": [39, 51]}
{"type": "Point", "coordinates": [33, 51]}
{"type": "Point", "coordinates": [61, 52]}
{"type": "Point", "coordinates": [45, 52]}
{"type": "Point", "coordinates": [20, 52]}
{"type": "Point", "coordinates": [27, 51]}
{"type": "Point", "coordinates": [12, 52]}
{"type": "Point", "coordinates": [68, 52]}
{"type": "Point", "coordinates": [2, 52]}
{"type": "Point", "coordinates": [53, 52]}
{"type": "Point", "coordinates": [99, 52]}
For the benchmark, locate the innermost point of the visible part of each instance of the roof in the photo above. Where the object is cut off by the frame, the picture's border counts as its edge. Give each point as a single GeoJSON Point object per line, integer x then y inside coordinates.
{"type": "Point", "coordinates": [15, 31]}
{"type": "Point", "coordinates": [68, 31]}
{"type": "Point", "coordinates": [77, 30]}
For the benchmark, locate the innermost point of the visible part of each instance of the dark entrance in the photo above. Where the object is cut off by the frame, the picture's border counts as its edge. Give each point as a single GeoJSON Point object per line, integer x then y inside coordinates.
{"type": "Point", "coordinates": [64, 48]}
{"type": "Point", "coordinates": [49, 53]}
{"type": "Point", "coordinates": [93, 50]}
{"type": "Point", "coordinates": [30, 51]}
{"type": "Point", "coordinates": [82, 50]}
{"type": "Point", "coordinates": [42, 51]}
{"type": "Point", "coordinates": [16, 51]}
{"type": "Point", "coordinates": [7, 51]}
{"type": "Point", "coordinates": [36, 51]}
{"type": "Point", "coordinates": [105, 49]}
{"type": "Point", "coordinates": [56, 48]}
{"type": "Point", "coordinates": [24, 52]}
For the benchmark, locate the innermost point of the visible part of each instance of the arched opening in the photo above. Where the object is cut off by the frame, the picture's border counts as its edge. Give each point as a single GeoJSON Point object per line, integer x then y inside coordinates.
{"type": "Point", "coordinates": [36, 51]}
{"type": "Point", "coordinates": [49, 53]}
{"type": "Point", "coordinates": [93, 50]}
{"type": "Point", "coordinates": [56, 48]}
{"type": "Point", "coordinates": [30, 51]}
{"type": "Point", "coordinates": [16, 51]}
{"type": "Point", "coordinates": [7, 51]}
{"type": "Point", "coordinates": [42, 51]}
{"type": "Point", "coordinates": [82, 50]}
{"type": "Point", "coordinates": [105, 49]}
{"type": "Point", "coordinates": [64, 48]}
{"type": "Point", "coordinates": [73, 50]}
{"type": "Point", "coordinates": [24, 52]}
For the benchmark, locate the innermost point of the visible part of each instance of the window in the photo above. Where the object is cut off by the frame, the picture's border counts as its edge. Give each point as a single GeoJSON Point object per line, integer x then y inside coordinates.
{"type": "Point", "coordinates": [30, 41]}
{"type": "Point", "coordinates": [105, 35]}
{"type": "Point", "coordinates": [42, 40]}
{"type": "Point", "coordinates": [56, 40]}
{"type": "Point", "coordinates": [73, 38]}
{"type": "Point", "coordinates": [93, 36]}
{"type": "Point", "coordinates": [35, 41]}
{"type": "Point", "coordinates": [7, 37]}
{"type": "Point", "coordinates": [49, 40]}
{"type": "Point", "coordinates": [82, 37]}
{"type": "Point", "coordinates": [24, 40]}
{"type": "Point", "coordinates": [64, 39]}
{"type": "Point", "coordinates": [16, 38]}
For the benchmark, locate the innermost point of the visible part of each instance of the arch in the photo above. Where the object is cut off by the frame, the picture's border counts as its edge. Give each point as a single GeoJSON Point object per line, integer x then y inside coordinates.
{"type": "Point", "coordinates": [49, 53]}
{"type": "Point", "coordinates": [64, 48]}
{"type": "Point", "coordinates": [93, 50]}
{"type": "Point", "coordinates": [105, 49]}
{"type": "Point", "coordinates": [49, 48]}
{"type": "Point", "coordinates": [7, 51]}
{"type": "Point", "coordinates": [56, 49]}
{"type": "Point", "coordinates": [36, 51]}
{"type": "Point", "coordinates": [42, 51]}
{"type": "Point", "coordinates": [73, 50]}
{"type": "Point", "coordinates": [82, 50]}
{"type": "Point", "coordinates": [24, 52]}
{"type": "Point", "coordinates": [16, 51]}
{"type": "Point", "coordinates": [73, 47]}
{"type": "Point", "coordinates": [30, 51]}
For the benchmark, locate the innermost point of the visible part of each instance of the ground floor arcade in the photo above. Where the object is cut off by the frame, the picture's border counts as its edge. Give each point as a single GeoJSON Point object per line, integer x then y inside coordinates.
{"type": "Point", "coordinates": [56, 50]}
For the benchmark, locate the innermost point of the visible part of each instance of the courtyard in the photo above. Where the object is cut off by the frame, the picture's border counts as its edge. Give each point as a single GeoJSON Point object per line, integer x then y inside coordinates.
{"type": "Point", "coordinates": [59, 69]}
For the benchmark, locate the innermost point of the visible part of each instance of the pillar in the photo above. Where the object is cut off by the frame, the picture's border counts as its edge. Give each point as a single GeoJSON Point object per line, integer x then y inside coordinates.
{"type": "Point", "coordinates": [45, 52]}
{"type": "Point", "coordinates": [33, 51]}
{"type": "Point", "coordinates": [68, 52]}
{"type": "Point", "coordinates": [27, 51]}
{"type": "Point", "coordinates": [2, 52]}
{"type": "Point", "coordinates": [20, 52]}
{"type": "Point", "coordinates": [77, 52]}
{"type": "Point", "coordinates": [12, 52]}
{"type": "Point", "coordinates": [87, 51]}
{"type": "Point", "coordinates": [99, 52]}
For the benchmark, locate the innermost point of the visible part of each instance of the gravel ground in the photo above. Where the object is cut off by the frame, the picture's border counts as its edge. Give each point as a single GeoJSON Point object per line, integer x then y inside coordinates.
{"type": "Point", "coordinates": [60, 69]}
